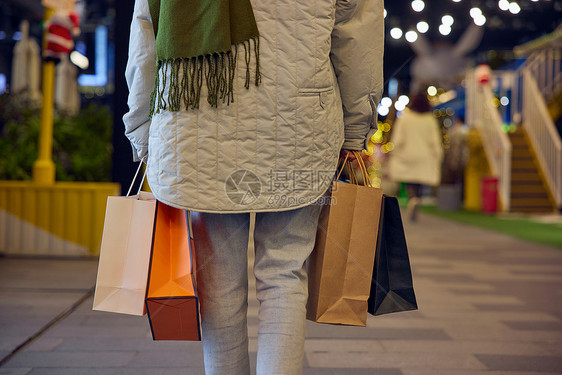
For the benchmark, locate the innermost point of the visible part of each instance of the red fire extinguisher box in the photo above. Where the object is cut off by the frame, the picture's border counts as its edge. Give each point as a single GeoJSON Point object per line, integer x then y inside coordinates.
{"type": "Point", "coordinates": [489, 194]}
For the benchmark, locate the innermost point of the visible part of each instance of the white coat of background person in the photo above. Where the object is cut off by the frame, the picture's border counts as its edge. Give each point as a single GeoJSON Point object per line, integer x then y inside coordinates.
{"type": "Point", "coordinates": [418, 152]}
{"type": "Point", "coordinates": [273, 151]}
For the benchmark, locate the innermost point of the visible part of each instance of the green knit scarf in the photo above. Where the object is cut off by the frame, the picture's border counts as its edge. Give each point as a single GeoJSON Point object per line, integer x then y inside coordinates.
{"type": "Point", "coordinates": [200, 39]}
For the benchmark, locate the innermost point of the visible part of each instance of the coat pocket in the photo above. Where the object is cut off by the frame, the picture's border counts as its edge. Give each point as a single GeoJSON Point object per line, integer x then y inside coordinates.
{"type": "Point", "coordinates": [313, 112]}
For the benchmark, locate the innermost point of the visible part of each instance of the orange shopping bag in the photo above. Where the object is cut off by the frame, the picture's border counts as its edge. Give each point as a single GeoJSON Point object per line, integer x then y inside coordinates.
{"type": "Point", "coordinates": [171, 297]}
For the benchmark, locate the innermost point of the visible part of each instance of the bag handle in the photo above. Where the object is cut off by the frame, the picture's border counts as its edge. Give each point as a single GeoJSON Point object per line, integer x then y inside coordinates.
{"type": "Point", "coordinates": [135, 178]}
{"type": "Point", "coordinates": [352, 176]}
{"type": "Point", "coordinates": [363, 168]}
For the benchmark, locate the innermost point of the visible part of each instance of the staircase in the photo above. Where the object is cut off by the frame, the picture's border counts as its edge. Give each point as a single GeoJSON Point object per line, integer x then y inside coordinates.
{"type": "Point", "coordinates": [529, 193]}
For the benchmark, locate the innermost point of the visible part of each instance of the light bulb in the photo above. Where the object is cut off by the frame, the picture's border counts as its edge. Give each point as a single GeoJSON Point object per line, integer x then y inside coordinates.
{"type": "Point", "coordinates": [503, 4]}
{"type": "Point", "coordinates": [383, 111]}
{"type": "Point", "coordinates": [475, 12]}
{"type": "Point", "coordinates": [386, 101]}
{"type": "Point", "coordinates": [422, 27]}
{"type": "Point", "coordinates": [480, 20]}
{"type": "Point", "coordinates": [418, 5]}
{"type": "Point", "coordinates": [445, 29]}
{"type": "Point", "coordinates": [447, 20]}
{"type": "Point", "coordinates": [404, 99]}
{"type": "Point", "coordinates": [514, 8]}
{"type": "Point", "coordinates": [396, 33]}
{"type": "Point", "coordinates": [411, 36]}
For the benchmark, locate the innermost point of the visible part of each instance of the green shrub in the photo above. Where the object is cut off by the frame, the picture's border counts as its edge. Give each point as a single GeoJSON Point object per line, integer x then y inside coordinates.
{"type": "Point", "coordinates": [81, 144]}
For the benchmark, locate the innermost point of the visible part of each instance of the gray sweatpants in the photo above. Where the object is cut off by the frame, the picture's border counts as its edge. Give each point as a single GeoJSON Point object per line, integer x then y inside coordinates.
{"type": "Point", "coordinates": [283, 241]}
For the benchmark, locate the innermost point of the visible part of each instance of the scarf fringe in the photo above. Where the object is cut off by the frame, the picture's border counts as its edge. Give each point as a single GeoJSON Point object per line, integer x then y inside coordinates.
{"type": "Point", "coordinates": [216, 71]}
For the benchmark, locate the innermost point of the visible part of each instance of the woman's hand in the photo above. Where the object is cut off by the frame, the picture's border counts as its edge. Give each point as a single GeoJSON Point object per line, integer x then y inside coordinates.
{"type": "Point", "coordinates": [344, 153]}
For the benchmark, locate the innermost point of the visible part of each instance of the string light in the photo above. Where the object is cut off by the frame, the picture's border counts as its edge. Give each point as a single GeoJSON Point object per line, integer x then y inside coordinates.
{"type": "Point", "coordinates": [445, 29]}
{"type": "Point", "coordinates": [475, 12]}
{"type": "Point", "coordinates": [422, 27]}
{"type": "Point", "coordinates": [383, 111]}
{"type": "Point", "coordinates": [432, 90]}
{"type": "Point", "coordinates": [514, 8]}
{"type": "Point", "coordinates": [386, 101]}
{"type": "Point", "coordinates": [480, 20]}
{"type": "Point", "coordinates": [418, 5]}
{"type": "Point", "coordinates": [396, 33]}
{"type": "Point", "coordinates": [404, 99]}
{"type": "Point", "coordinates": [447, 20]}
{"type": "Point", "coordinates": [503, 4]}
{"type": "Point", "coordinates": [411, 36]}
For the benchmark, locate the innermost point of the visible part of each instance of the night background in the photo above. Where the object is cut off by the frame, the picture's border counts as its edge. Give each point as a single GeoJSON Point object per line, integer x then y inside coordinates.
{"type": "Point", "coordinates": [503, 30]}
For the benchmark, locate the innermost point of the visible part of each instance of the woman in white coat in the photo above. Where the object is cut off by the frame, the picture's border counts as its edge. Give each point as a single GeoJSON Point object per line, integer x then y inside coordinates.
{"type": "Point", "coordinates": [418, 152]}
{"type": "Point", "coordinates": [254, 128]}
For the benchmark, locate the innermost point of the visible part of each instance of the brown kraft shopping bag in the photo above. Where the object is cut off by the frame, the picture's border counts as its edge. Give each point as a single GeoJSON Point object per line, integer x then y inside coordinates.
{"type": "Point", "coordinates": [171, 296]}
{"type": "Point", "coordinates": [341, 265]}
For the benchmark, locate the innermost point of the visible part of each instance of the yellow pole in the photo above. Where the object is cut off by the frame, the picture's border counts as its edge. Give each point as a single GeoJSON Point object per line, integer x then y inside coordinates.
{"type": "Point", "coordinates": [44, 167]}
{"type": "Point", "coordinates": [477, 167]}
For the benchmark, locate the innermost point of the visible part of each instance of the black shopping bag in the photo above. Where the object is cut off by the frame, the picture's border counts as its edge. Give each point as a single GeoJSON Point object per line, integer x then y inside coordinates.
{"type": "Point", "coordinates": [392, 288]}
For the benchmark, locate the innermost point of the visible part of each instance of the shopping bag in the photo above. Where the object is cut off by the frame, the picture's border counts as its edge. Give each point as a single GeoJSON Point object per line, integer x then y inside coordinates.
{"type": "Point", "coordinates": [125, 253]}
{"type": "Point", "coordinates": [171, 296]}
{"type": "Point", "coordinates": [392, 289]}
{"type": "Point", "coordinates": [341, 265]}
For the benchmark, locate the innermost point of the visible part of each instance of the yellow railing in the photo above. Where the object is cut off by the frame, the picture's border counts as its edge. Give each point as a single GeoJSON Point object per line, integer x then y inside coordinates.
{"type": "Point", "coordinates": [57, 219]}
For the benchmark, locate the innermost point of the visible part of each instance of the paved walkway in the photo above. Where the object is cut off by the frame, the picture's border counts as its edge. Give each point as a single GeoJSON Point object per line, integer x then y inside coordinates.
{"type": "Point", "coordinates": [489, 304]}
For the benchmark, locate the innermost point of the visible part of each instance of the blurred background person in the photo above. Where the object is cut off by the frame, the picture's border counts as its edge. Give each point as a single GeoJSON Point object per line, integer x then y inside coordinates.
{"type": "Point", "coordinates": [416, 158]}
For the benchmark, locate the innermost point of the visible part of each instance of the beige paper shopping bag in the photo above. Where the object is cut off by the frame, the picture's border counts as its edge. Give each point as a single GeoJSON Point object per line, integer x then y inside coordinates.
{"type": "Point", "coordinates": [125, 254]}
{"type": "Point", "coordinates": [341, 265]}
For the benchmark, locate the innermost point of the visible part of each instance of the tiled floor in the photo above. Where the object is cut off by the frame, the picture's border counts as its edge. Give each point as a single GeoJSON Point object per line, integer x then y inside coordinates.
{"type": "Point", "coordinates": [489, 304]}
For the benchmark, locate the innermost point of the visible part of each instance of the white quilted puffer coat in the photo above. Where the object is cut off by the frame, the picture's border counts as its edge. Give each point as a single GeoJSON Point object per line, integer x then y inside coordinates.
{"type": "Point", "coordinates": [277, 146]}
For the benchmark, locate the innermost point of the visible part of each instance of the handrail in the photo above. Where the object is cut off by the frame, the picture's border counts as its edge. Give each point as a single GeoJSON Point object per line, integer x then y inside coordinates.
{"type": "Point", "coordinates": [546, 67]}
{"type": "Point", "coordinates": [543, 135]}
{"type": "Point", "coordinates": [482, 113]}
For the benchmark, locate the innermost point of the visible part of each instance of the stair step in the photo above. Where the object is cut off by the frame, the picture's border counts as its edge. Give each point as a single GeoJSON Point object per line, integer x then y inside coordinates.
{"type": "Point", "coordinates": [529, 170]}
{"type": "Point", "coordinates": [519, 141]}
{"type": "Point", "coordinates": [515, 159]}
{"type": "Point", "coordinates": [517, 134]}
{"type": "Point", "coordinates": [523, 164]}
{"type": "Point", "coordinates": [529, 195]}
{"type": "Point", "coordinates": [531, 209]}
{"type": "Point", "coordinates": [520, 146]}
{"type": "Point", "coordinates": [520, 152]}
{"type": "Point", "coordinates": [527, 189]}
{"type": "Point", "coordinates": [535, 202]}
{"type": "Point", "coordinates": [525, 177]}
